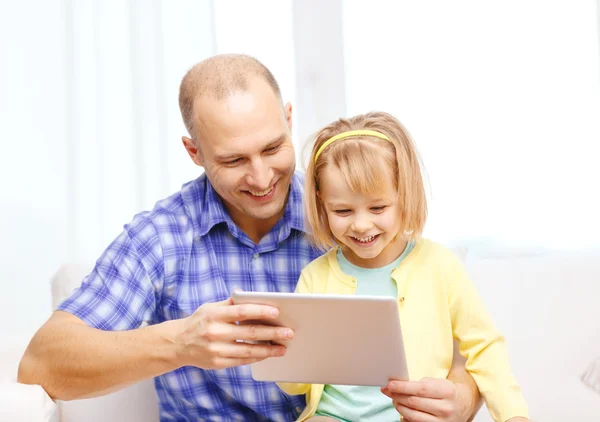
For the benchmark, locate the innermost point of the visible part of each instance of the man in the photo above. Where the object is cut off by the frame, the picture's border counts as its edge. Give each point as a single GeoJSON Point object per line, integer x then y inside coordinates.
{"type": "Point", "coordinates": [239, 225]}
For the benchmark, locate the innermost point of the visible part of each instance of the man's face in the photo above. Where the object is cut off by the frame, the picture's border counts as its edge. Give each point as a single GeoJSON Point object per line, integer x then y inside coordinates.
{"type": "Point", "coordinates": [244, 144]}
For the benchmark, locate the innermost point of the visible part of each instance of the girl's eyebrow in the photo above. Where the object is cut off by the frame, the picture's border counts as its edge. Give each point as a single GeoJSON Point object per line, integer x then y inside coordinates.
{"type": "Point", "coordinates": [336, 204]}
{"type": "Point", "coordinates": [344, 204]}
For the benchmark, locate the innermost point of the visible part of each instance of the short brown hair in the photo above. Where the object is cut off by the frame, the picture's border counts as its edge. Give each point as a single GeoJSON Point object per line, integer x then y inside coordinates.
{"type": "Point", "coordinates": [218, 77]}
{"type": "Point", "coordinates": [365, 163]}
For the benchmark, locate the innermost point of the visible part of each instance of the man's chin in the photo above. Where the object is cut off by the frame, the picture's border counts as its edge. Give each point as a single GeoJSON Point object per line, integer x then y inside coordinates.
{"type": "Point", "coordinates": [266, 212]}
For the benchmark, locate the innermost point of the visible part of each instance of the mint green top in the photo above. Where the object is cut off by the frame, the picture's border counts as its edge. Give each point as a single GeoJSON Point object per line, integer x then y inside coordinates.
{"type": "Point", "coordinates": [350, 403]}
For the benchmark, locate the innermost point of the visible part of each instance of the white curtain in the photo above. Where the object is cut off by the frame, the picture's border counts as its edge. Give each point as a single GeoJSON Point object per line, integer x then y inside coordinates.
{"type": "Point", "coordinates": [91, 132]}
{"type": "Point", "coordinates": [124, 61]}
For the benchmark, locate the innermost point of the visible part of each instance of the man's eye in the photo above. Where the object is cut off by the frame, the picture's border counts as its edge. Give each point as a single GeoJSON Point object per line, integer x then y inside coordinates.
{"type": "Point", "coordinates": [272, 149]}
{"type": "Point", "coordinates": [233, 162]}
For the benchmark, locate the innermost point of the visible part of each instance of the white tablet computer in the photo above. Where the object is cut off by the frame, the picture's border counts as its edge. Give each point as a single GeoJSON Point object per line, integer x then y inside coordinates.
{"type": "Point", "coordinates": [338, 339]}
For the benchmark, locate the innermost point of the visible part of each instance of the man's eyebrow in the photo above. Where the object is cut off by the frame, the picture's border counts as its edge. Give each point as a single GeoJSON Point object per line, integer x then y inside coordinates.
{"type": "Point", "coordinates": [229, 157]}
{"type": "Point", "coordinates": [277, 140]}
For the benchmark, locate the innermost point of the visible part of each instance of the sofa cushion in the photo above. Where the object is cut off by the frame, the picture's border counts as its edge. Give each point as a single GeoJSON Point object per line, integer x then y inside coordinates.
{"type": "Point", "coordinates": [21, 402]}
{"type": "Point", "coordinates": [591, 376]}
{"type": "Point", "coordinates": [66, 279]}
{"type": "Point", "coordinates": [546, 306]}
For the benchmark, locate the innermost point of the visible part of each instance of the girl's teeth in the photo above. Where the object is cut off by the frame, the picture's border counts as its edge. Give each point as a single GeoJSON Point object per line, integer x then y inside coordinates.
{"type": "Point", "coordinates": [366, 239]}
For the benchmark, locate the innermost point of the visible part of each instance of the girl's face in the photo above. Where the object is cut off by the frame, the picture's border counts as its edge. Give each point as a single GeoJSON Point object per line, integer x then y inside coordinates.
{"type": "Point", "coordinates": [367, 226]}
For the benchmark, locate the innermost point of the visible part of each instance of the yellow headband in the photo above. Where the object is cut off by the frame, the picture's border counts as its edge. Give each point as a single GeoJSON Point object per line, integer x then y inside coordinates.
{"type": "Point", "coordinates": [348, 134]}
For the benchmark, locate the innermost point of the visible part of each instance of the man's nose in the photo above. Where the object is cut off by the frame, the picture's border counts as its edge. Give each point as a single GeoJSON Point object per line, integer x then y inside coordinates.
{"type": "Point", "coordinates": [259, 175]}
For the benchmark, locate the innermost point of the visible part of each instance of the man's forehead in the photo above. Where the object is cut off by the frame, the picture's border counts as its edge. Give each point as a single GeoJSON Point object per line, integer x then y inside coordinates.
{"type": "Point", "coordinates": [257, 93]}
{"type": "Point", "coordinates": [238, 114]}
{"type": "Point", "coordinates": [223, 148]}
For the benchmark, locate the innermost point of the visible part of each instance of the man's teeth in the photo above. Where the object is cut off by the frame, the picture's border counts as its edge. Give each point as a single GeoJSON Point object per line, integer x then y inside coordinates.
{"type": "Point", "coordinates": [261, 193]}
{"type": "Point", "coordinates": [365, 239]}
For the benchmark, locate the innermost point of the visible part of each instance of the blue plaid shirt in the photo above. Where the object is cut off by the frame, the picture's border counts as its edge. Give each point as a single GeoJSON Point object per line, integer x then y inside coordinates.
{"type": "Point", "coordinates": [185, 252]}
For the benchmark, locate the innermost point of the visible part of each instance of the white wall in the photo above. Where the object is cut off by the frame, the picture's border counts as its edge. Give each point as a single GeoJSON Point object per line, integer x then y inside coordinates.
{"type": "Point", "coordinates": [319, 54]}
{"type": "Point", "coordinates": [33, 168]}
{"type": "Point", "coordinates": [503, 101]}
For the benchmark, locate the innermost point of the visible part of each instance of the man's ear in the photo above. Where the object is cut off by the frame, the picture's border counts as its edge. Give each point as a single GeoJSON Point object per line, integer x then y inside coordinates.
{"type": "Point", "coordinates": [288, 114]}
{"type": "Point", "coordinates": [193, 151]}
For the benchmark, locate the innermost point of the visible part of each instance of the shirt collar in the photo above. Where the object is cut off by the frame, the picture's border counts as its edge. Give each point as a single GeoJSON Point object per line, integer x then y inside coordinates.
{"type": "Point", "coordinates": [294, 210]}
{"type": "Point", "coordinates": [207, 209]}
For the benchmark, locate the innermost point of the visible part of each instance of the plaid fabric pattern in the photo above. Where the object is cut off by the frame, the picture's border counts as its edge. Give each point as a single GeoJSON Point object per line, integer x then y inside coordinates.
{"type": "Point", "coordinates": [185, 252]}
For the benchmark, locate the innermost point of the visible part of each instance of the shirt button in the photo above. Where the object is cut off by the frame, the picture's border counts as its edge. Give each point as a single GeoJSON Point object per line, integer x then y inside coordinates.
{"type": "Point", "coordinates": [255, 256]}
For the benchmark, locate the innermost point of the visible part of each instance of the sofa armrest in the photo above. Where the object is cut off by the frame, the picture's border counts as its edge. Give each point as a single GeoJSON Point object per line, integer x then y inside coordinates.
{"type": "Point", "coordinates": [21, 402]}
{"type": "Point", "coordinates": [591, 376]}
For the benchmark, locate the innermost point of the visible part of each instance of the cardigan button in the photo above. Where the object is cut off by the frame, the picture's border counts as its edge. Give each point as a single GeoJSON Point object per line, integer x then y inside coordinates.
{"type": "Point", "coordinates": [401, 299]}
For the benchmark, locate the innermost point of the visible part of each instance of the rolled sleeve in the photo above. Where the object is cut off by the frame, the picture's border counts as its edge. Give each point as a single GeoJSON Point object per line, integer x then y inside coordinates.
{"type": "Point", "coordinates": [123, 289]}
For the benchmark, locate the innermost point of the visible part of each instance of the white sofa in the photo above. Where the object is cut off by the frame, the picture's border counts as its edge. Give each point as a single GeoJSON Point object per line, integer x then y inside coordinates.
{"type": "Point", "coordinates": [547, 304]}
{"type": "Point", "coordinates": [136, 403]}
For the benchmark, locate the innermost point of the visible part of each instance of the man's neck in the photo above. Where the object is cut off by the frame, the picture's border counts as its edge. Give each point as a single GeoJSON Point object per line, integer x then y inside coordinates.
{"type": "Point", "coordinates": [257, 229]}
{"type": "Point", "coordinates": [254, 228]}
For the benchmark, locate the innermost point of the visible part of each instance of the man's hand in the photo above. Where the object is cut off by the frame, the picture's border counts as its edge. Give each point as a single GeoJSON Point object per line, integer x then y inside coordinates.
{"type": "Point", "coordinates": [207, 338]}
{"type": "Point", "coordinates": [427, 400]}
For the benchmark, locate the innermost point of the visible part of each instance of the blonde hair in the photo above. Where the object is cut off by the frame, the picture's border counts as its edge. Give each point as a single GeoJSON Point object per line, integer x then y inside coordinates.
{"type": "Point", "coordinates": [365, 163]}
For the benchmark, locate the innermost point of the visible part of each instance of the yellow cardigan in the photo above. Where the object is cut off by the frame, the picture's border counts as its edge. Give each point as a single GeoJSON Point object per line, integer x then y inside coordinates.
{"type": "Point", "coordinates": [437, 302]}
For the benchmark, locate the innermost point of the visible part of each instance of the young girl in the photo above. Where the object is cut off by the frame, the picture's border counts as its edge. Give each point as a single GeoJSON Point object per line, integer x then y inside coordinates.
{"type": "Point", "coordinates": [365, 200]}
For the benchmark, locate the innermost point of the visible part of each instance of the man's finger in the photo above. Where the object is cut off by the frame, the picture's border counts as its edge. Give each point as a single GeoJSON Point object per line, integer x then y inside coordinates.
{"type": "Point", "coordinates": [255, 332]}
{"type": "Point", "coordinates": [425, 388]}
{"type": "Point", "coordinates": [229, 362]}
{"type": "Point", "coordinates": [245, 312]}
{"type": "Point", "coordinates": [226, 302]}
{"type": "Point", "coordinates": [238, 350]}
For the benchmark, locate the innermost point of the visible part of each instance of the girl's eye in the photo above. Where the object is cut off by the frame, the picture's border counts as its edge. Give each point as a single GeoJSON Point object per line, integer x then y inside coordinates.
{"type": "Point", "coordinates": [378, 209]}
{"type": "Point", "coordinates": [342, 212]}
